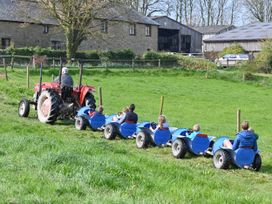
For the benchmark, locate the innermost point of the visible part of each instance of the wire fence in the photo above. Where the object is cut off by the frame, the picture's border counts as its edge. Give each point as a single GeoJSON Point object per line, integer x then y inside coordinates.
{"type": "Point", "coordinates": [53, 62]}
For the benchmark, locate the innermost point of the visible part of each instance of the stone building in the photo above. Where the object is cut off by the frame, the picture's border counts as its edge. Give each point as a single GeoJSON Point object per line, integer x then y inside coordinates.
{"type": "Point", "coordinates": [23, 30]}
{"type": "Point", "coordinates": [122, 28]}
{"type": "Point", "coordinates": [176, 37]}
{"type": "Point", "coordinates": [116, 28]}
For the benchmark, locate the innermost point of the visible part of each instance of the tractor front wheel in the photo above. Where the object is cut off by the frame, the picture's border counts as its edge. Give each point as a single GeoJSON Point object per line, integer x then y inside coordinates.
{"type": "Point", "coordinates": [257, 163]}
{"type": "Point", "coordinates": [142, 140]}
{"type": "Point", "coordinates": [80, 123]}
{"type": "Point", "coordinates": [222, 159]}
{"type": "Point", "coordinates": [48, 106]}
{"type": "Point", "coordinates": [179, 149]}
{"type": "Point", "coordinates": [24, 107]}
{"type": "Point", "coordinates": [110, 132]}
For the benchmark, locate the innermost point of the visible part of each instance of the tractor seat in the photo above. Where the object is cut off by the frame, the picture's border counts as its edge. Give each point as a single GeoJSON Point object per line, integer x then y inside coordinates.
{"type": "Point", "coordinates": [66, 93]}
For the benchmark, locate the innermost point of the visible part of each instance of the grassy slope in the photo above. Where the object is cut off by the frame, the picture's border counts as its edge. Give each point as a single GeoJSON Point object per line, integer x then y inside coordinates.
{"type": "Point", "coordinates": [57, 164]}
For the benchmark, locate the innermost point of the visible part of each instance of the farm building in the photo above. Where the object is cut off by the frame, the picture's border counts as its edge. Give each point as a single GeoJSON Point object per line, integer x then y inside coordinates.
{"type": "Point", "coordinates": [211, 31]}
{"type": "Point", "coordinates": [176, 37]}
{"type": "Point", "coordinates": [249, 37]}
{"type": "Point", "coordinates": [117, 28]}
{"type": "Point", "coordinates": [17, 28]}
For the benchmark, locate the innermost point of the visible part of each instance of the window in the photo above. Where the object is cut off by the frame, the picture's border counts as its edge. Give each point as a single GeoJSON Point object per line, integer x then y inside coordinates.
{"type": "Point", "coordinates": [5, 42]}
{"type": "Point", "coordinates": [45, 29]}
{"type": "Point", "coordinates": [132, 29]}
{"type": "Point", "coordinates": [56, 45]}
{"type": "Point", "coordinates": [148, 30]}
{"type": "Point", "coordinates": [104, 26]}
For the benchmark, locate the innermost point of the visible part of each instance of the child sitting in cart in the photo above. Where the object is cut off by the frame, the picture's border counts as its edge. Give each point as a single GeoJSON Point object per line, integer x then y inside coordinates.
{"type": "Point", "coordinates": [244, 139]}
{"type": "Point", "coordinates": [162, 124]}
{"type": "Point", "coordinates": [120, 117]}
{"type": "Point", "coordinates": [99, 111]}
{"type": "Point", "coordinates": [195, 131]}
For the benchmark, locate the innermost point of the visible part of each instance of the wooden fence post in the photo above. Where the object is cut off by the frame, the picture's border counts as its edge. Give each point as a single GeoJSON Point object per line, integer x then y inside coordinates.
{"type": "Point", "coordinates": [54, 62]}
{"type": "Point", "coordinates": [100, 97]}
{"type": "Point", "coordinates": [27, 76]}
{"type": "Point", "coordinates": [161, 106]}
{"type": "Point", "coordinates": [34, 62]}
{"type": "Point", "coordinates": [5, 67]}
{"type": "Point", "coordinates": [12, 62]}
{"type": "Point", "coordinates": [238, 120]}
{"type": "Point", "coordinates": [133, 63]}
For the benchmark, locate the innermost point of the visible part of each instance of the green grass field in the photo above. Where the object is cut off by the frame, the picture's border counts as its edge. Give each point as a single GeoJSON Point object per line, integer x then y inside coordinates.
{"type": "Point", "coordinates": [57, 164]}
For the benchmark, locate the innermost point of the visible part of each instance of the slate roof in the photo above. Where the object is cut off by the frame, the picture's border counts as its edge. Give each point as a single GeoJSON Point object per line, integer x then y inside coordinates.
{"type": "Point", "coordinates": [206, 30]}
{"type": "Point", "coordinates": [167, 17]}
{"type": "Point", "coordinates": [252, 32]}
{"type": "Point", "coordinates": [22, 11]}
{"type": "Point", "coordinates": [122, 13]}
{"type": "Point", "coordinates": [29, 12]}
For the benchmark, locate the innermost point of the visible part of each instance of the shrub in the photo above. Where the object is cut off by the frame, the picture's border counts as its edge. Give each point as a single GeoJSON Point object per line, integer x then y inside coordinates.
{"type": "Point", "coordinates": [195, 63]}
{"type": "Point", "coordinates": [263, 61]}
{"type": "Point", "coordinates": [88, 54]}
{"type": "Point", "coordinates": [125, 54]}
{"type": "Point", "coordinates": [151, 55]}
{"type": "Point", "coordinates": [233, 49]}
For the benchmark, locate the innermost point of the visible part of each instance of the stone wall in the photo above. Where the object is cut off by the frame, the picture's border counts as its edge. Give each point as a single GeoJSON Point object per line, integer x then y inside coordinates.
{"type": "Point", "coordinates": [118, 37]}
{"type": "Point", "coordinates": [23, 35]}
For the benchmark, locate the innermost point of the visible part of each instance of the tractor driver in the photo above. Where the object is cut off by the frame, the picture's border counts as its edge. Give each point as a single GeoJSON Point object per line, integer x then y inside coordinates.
{"type": "Point", "coordinates": [66, 79]}
{"type": "Point", "coordinates": [131, 116]}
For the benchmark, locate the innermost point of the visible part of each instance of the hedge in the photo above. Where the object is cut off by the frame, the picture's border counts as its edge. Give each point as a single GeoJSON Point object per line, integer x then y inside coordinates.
{"type": "Point", "coordinates": [125, 54]}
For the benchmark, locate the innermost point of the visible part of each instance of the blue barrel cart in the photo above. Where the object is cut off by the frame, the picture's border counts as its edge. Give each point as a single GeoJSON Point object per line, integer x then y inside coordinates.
{"type": "Point", "coordinates": [243, 157]}
{"type": "Point", "coordinates": [184, 140]}
{"type": "Point", "coordinates": [146, 137]}
{"type": "Point", "coordinates": [83, 119]}
{"type": "Point", "coordinates": [124, 131]}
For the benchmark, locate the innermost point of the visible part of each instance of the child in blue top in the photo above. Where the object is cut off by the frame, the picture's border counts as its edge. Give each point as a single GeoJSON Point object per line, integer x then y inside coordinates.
{"type": "Point", "coordinates": [244, 139]}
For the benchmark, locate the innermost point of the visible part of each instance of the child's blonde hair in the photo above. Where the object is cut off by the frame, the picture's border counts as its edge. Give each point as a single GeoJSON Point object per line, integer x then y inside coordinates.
{"type": "Point", "coordinates": [161, 120]}
{"type": "Point", "coordinates": [196, 127]}
{"type": "Point", "coordinates": [125, 109]}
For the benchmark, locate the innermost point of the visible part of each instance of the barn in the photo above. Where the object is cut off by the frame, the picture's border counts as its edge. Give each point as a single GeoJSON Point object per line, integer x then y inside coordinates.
{"type": "Point", "coordinates": [250, 37]}
{"type": "Point", "coordinates": [176, 37]}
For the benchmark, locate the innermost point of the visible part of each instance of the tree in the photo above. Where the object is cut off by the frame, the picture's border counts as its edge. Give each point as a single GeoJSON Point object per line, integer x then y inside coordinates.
{"type": "Point", "coordinates": [260, 9]}
{"type": "Point", "coordinates": [75, 18]}
{"type": "Point", "coordinates": [206, 12]}
{"type": "Point", "coordinates": [151, 7]}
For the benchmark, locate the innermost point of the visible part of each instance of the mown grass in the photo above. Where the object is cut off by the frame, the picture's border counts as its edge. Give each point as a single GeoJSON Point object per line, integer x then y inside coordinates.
{"type": "Point", "coordinates": [57, 164]}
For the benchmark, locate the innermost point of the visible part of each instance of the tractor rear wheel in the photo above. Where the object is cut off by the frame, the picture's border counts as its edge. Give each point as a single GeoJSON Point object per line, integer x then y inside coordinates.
{"type": "Point", "coordinates": [110, 132]}
{"type": "Point", "coordinates": [222, 159]}
{"type": "Point", "coordinates": [24, 107]}
{"type": "Point", "coordinates": [257, 163]}
{"type": "Point", "coordinates": [80, 123]}
{"type": "Point", "coordinates": [142, 140]}
{"type": "Point", "coordinates": [90, 101]}
{"type": "Point", "coordinates": [179, 149]}
{"type": "Point", "coordinates": [48, 106]}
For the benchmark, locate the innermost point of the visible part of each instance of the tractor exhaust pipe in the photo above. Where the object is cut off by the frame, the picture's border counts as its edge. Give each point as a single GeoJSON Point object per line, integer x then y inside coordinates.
{"type": "Point", "coordinates": [60, 71]}
{"type": "Point", "coordinates": [80, 73]}
{"type": "Point", "coordinates": [40, 83]}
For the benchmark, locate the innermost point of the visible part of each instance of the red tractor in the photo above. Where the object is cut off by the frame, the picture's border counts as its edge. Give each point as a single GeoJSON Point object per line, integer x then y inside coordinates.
{"type": "Point", "coordinates": [53, 102]}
